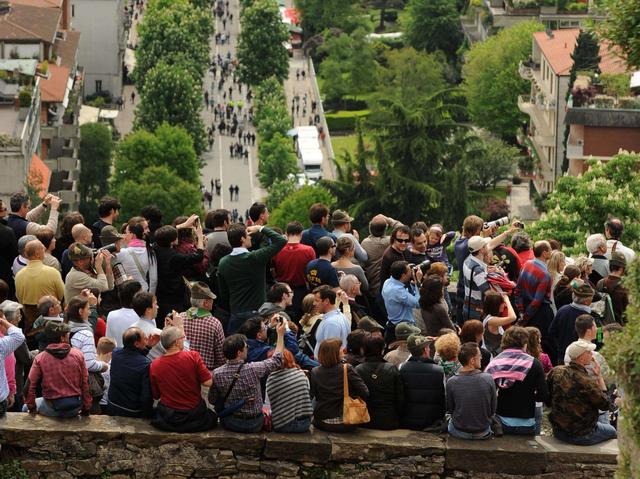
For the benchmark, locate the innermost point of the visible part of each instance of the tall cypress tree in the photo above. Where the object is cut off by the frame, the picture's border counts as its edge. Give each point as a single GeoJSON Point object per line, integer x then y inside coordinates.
{"type": "Point", "coordinates": [586, 57]}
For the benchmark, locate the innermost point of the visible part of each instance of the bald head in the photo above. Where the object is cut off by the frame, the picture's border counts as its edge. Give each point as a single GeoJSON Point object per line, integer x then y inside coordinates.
{"type": "Point", "coordinates": [133, 337]}
{"type": "Point", "coordinates": [34, 250]}
{"type": "Point", "coordinates": [81, 234]}
{"type": "Point", "coordinates": [542, 248]}
{"type": "Point", "coordinates": [378, 225]}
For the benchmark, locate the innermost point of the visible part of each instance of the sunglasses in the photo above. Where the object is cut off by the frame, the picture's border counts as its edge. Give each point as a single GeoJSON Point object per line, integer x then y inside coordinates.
{"type": "Point", "coordinates": [398, 240]}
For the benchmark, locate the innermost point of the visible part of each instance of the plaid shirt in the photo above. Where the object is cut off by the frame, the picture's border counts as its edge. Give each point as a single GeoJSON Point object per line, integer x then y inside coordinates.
{"type": "Point", "coordinates": [533, 288]}
{"type": "Point", "coordinates": [247, 386]}
{"type": "Point", "coordinates": [205, 335]}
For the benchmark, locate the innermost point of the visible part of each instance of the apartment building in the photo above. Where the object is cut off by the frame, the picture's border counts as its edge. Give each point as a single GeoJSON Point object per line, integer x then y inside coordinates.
{"type": "Point", "coordinates": [548, 70]}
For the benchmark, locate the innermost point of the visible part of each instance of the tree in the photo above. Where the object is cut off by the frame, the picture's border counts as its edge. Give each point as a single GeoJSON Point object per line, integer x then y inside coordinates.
{"type": "Point", "coordinates": [578, 206]}
{"type": "Point", "coordinates": [491, 80]}
{"type": "Point", "coordinates": [277, 160]}
{"type": "Point", "coordinates": [621, 28]}
{"type": "Point", "coordinates": [261, 50]}
{"type": "Point", "coordinates": [296, 206]}
{"type": "Point", "coordinates": [318, 15]}
{"type": "Point", "coordinates": [410, 74]}
{"type": "Point", "coordinates": [279, 191]}
{"type": "Point", "coordinates": [495, 162]}
{"type": "Point", "coordinates": [174, 32]}
{"type": "Point", "coordinates": [454, 197]}
{"type": "Point", "coordinates": [161, 186]}
{"type": "Point", "coordinates": [96, 147]}
{"type": "Point", "coordinates": [434, 25]}
{"type": "Point", "coordinates": [169, 146]}
{"type": "Point", "coordinates": [271, 115]}
{"type": "Point", "coordinates": [172, 96]}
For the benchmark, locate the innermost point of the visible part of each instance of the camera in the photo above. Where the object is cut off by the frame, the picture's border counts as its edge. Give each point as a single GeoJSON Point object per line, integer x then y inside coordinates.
{"type": "Point", "coordinates": [111, 248]}
{"type": "Point", "coordinates": [496, 223]}
{"type": "Point", "coordinates": [424, 266]}
{"type": "Point", "coordinates": [519, 224]}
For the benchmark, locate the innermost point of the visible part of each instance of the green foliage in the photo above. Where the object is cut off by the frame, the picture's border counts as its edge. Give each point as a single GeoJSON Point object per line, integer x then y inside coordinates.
{"type": "Point", "coordinates": [579, 205]}
{"type": "Point", "coordinates": [296, 206]}
{"type": "Point", "coordinates": [24, 98]}
{"type": "Point", "coordinates": [455, 197]}
{"type": "Point", "coordinates": [621, 28]}
{"type": "Point", "coordinates": [270, 107]}
{"type": "Point", "coordinates": [171, 95]}
{"type": "Point", "coordinates": [174, 32]}
{"type": "Point", "coordinates": [616, 84]}
{"type": "Point", "coordinates": [261, 52]}
{"type": "Point", "coordinates": [491, 80]}
{"type": "Point", "coordinates": [161, 186]}
{"type": "Point", "coordinates": [410, 74]}
{"type": "Point", "coordinates": [585, 56]}
{"type": "Point", "coordinates": [318, 15]}
{"type": "Point", "coordinates": [350, 66]}
{"type": "Point", "coordinates": [279, 191]}
{"type": "Point", "coordinates": [622, 351]}
{"type": "Point", "coordinates": [96, 147]}
{"type": "Point", "coordinates": [12, 470]}
{"type": "Point", "coordinates": [434, 25]}
{"type": "Point", "coordinates": [345, 120]}
{"type": "Point", "coordinates": [169, 146]}
{"type": "Point", "coordinates": [495, 162]}
{"type": "Point", "coordinates": [277, 160]}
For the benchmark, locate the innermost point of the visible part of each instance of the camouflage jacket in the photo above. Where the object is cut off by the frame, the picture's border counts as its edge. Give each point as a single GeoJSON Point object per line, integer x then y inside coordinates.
{"type": "Point", "coordinates": [575, 398]}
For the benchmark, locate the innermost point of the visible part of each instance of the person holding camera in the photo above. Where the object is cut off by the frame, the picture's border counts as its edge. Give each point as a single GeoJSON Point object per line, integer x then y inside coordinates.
{"type": "Point", "coordinates": [401, 297]}
{"type": "Point", "coordinates": [88, 271]}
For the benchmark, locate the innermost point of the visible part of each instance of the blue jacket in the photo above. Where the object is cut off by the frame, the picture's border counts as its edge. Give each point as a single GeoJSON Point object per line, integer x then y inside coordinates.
{"type": "Point", "coordinates": [259, 351]}
{"type": "Point", "coordinates": [130, 388]}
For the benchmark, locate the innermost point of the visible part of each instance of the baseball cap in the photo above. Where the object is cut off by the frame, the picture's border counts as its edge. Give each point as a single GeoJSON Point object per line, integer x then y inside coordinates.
{"type": "Point", "coordinates": [79, 251]}
{"type": "Point", "coordinates": [416, 343]}
{"type": "Point", "coordinates": [369, 325]}
{"type": "Point", "coordinates": [110, 235]}
{"type": "Point", "coordinates": [54, 329]}
{"type": "Point", "coordinates": [575, 349]}
{"type": "Point", "coordinates": [340, 217]}
{"type": "Point", "coordinates": [404, 330]}
{"type": "Point", "coordinates": [582, 289]}
{"type": "Point", "coordinates": [476, 243]}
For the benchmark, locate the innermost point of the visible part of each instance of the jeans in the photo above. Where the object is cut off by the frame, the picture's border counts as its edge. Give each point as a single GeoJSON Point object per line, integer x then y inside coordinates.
{"type": "Point", "coordinates": [295, 426]}
{"type": "Point", "coordinates": [242, 424]}
{"type": "Point", "coordinates": [468, 435]}
{"type": "Point", "coordinates": [602, 432]}
{"type": "Point", "coordinates": [3, 407]}
{"type": "Point", "coordinates": [44, 407]}
{"type": "Point", "coordinates": [539, 412]}
{"type": "Point", "coordinates": [519, 430]}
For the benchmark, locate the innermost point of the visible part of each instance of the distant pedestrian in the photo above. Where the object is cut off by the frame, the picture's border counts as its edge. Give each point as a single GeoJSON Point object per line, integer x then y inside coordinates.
{"type": "Point", "coordinates": [303, 74]}
{"type": "Point", "coordinates": [298, 74]}
{"type": "Point", "coordinates": [231, 191]}
{"type": "Point", "coordinates": [237, 192]}
{"type": "Point", "coordinates": [211, 140]}
{"type": "Point", "coordinates": [133, 96]}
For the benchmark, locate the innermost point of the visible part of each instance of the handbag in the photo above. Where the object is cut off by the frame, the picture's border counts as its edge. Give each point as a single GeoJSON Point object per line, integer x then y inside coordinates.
{"type": "Point", "coordinates": [220, 402]}
{"type": "Point", "coordinates": [96, 384]}
{"type": "Point", "coordinates": [354, 411]}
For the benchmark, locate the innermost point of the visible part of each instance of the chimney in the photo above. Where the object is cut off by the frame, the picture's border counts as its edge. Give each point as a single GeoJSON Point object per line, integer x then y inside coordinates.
{"type": "Point", "coordinates": [549, 33]}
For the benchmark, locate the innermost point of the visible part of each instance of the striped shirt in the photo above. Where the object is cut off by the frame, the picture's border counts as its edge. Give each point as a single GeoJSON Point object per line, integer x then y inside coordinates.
{"type": "Point", "coordinates": [288, 392]}
{"type": "Point", "coordinates": [533, 288]}
{"type": "Point", "coordinates": [8, 344]}
{"type": "Point", "coordinates": [474, 274]}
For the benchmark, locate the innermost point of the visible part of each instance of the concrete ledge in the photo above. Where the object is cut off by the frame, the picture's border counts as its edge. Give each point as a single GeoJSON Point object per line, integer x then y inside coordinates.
{"type": "Point", "coordinates": [88, 447]}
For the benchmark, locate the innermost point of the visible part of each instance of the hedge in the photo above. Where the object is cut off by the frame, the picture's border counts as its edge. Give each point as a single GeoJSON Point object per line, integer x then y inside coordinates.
{"type": "Point", "coordinates": [345, 120]}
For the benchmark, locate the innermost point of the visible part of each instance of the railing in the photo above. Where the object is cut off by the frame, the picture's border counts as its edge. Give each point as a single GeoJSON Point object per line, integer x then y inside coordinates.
{"type": "Point", "coordinates": [323, 121]}
{"type": "Point", "coordinates": [525, 71]}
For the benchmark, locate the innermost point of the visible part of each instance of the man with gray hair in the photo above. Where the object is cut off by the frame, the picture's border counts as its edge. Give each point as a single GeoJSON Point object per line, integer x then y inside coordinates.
{"type": "Point", "coordinates": [176, 381]}
{"type": "Point", "coordinates": [563, 327]}
{"type": "Point", "coordinates": [203, 331]}
{"type": "Point", "coordinates": [350, 284]}
{"type": "Point", "coordinates": [597, 247]}
{"type": "Point", "coordinates": [49, 309]}
{"type": "Point", "coordinates": [21, 261]}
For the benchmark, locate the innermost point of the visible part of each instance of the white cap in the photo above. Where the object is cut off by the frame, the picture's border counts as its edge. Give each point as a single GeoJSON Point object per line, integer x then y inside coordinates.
{"type": "Point", "coordinates": [476, 243]}
{"type": "Point", "coordinates": [577, 348]}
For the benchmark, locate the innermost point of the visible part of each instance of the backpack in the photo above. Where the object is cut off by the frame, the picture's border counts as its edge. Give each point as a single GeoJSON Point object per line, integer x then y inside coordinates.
{"type": "Point", "coordinates": [604, 307]}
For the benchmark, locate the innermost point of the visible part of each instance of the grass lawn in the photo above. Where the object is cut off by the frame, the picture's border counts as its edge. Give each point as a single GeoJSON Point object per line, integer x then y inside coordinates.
{"type": "Point", "coordinates": [348, 143]}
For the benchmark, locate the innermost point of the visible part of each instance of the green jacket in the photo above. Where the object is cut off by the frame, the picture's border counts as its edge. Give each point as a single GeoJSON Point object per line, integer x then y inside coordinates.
{"type": "Point", "coordinates": [242, 277]}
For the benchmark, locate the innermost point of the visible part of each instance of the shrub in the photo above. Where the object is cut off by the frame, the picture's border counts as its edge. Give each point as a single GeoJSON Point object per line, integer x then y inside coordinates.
{"type": "Point", "coordinates": [615, 84]}
{"type": "Point", "coordinates": [495, 208]}
{"type": "Point", "coordinates": [345, 120]}
{"type": "Point", "coordinates": [577, 7]}
{"type": "Point", "coordinates": [24, 97]}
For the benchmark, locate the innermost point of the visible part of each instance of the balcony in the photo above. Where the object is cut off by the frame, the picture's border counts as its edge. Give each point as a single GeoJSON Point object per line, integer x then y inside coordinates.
{"type": "Point", "coordinates": [525, 69]}
{"type": "Point", "coordinates": [544, 133]}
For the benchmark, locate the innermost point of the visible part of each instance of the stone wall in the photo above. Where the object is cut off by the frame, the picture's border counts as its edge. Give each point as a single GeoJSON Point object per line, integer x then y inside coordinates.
{"type": "Point", "coordinates": [117, 448]}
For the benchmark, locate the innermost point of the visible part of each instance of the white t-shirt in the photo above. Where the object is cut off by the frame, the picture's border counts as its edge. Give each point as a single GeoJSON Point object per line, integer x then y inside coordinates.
{"type": "Point", "coordinates": [628, 253]}
{"type": "Point", "coordinates": [118, 322]}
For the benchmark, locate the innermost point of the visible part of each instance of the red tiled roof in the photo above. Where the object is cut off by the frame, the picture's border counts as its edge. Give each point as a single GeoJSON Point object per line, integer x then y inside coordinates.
{"type": "Point", "coordinates": [53, 88]}
{"type": "Point", "coordinates": [39, 3]}
{"type": "Point", "coordinates": [27, 22]}
{"type": "Point", "coordinates": [39, 175]}
{"type": "Point", "coordinates": [558, 49]}
{"type": "Point", "coordinates": [67, 49]}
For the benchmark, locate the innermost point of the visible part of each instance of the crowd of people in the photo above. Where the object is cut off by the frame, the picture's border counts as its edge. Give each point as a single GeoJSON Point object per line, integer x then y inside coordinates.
{"type": "Point", "coordinates": [191, 323]}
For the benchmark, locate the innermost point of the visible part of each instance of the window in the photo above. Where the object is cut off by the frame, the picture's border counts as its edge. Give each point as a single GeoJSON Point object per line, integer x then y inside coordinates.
{"type": "Point", "coordinates": [98, 86]}
{"type": "Point", "coordinates": [73, 10]}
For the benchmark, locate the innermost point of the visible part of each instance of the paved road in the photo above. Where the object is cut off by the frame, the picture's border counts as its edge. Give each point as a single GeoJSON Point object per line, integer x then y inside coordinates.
{"type": "Point", "coordinates": [218, 163]}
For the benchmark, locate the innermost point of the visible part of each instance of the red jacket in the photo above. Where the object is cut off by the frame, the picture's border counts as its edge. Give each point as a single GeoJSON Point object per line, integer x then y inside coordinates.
{"type": "Point", "coordinates": [62, 372]}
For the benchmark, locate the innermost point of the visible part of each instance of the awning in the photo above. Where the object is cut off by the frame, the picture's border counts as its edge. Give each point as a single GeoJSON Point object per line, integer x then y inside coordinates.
{"type": "Point", "coordinates": [130, 59]}
{"type": "Point", "coordinates": [88, 114]}
{"type": "Point", "coordinates": [65, 102]}
{"type": "Point", "coordinates": [39, 175]}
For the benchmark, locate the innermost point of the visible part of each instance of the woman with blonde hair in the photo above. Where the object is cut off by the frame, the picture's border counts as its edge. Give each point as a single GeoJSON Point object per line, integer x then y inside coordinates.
{"type": "Point", "coordinates": [447, 349]}
{"type": "Point", "coordinates": [310, 321]}
{"type": "Point", "coordinates": [556, 265]}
